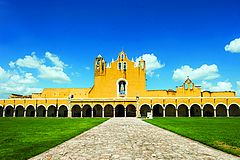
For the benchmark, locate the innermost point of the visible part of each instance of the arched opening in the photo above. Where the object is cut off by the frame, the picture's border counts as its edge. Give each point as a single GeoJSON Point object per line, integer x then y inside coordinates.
{"type": "Point", "coordinates": [221, 110]}
{"type": "Point", "coordinates": [195, 110]}
{"type": "Point", "coordinates": [41, 111]}
{"type": "Point", "coordinates": [119, 111]}
{"type": "Point", "coordinates": [30, 111]}
{"type": "Point", "coordinates": [62, 111]}
{"type": "Point", "coordinates": [97, 111]}
{"type": "Point", "coordinates": [131, 110]}
{"type": "Point", "coordinates": [108, 111]}
{"type": "Point", "coordinates": [9, 111]}
{"type": "Point", "coordinates": [76, 111]}
{"type": "Point", "coordinates": [170, 110]}
{"type": "Point", "coordinates": [1, 111]}
{"type": "Point", "coordinates": [52, 111]}
{"type": "Point", "coordinates": [208, 110]}
{"type": "Point", "coordinates": [157, 110]}
{"type": "Point", "coordinates": [234, 110]}
{"type": "Point", "coordinates": [182, 110]}
{"type": "Point", "coordinates": [87, 111]}
{"type": "Point", "coordinates": [144, 109]}
{"type": "Point", "coordinates": [19, 111]}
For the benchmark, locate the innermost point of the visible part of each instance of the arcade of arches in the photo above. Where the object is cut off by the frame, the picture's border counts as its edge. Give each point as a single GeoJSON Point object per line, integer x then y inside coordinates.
{"type": "Point", "coordinates": [98, 110]}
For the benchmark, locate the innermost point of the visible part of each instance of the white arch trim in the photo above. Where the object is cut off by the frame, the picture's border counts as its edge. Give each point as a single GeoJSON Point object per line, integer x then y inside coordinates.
{"type": "Point", "coordinates": [170, 104]}
{"type": "Point", "coordinates": [196, 104]}
{"type": "Point", "coordinates": [207, 104]}
{"type": "Point", "coordinates": [233, 104]}
{"type": "Point", "coordinates": [98, 105]}
{"type": "Point", "coordinates": [183, 104]}
{"type": "Point", "coordinates": [145, 104]}
{"type": "Point", "coordinates": [63, 105]}
{"type": "Point", "coordinates": [157, 104]}
{"type": "Point", "coordinates": [19, 105]}
{"type": "Point", "coordinates": [221, 104]}
{"type": "Point", "coordinates": [51, 105]}
{"type": "Point", "coordinates": [31, 105]}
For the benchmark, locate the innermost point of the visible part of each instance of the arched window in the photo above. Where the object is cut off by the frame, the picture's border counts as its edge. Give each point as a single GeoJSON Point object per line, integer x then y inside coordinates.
{"type": "Point", "coordinates": [122, 87]}
{"type": "Point", "coordinates": [124, 66]}
{"type": "Point", "coordinates": [119, 66]}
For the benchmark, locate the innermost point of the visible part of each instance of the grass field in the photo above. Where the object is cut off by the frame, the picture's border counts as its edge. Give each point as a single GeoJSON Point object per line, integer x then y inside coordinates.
{"type": "Point", "coordinates": [220, 133]}
{"type": "Point", "coordinates": [22, 138]}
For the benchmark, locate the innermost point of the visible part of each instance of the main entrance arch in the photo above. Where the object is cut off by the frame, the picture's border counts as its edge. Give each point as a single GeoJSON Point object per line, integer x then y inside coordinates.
{"type": "Point", "coordinates": [119, 111]}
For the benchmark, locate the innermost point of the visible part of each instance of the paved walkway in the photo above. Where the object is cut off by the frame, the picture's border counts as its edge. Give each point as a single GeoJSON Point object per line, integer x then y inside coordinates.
{"type": "Point", "coordinates": [131, 138]}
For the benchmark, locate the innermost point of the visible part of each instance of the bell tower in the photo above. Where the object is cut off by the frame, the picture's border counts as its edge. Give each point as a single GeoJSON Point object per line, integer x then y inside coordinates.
{"type": "Point", "coordinates": [99, 66]}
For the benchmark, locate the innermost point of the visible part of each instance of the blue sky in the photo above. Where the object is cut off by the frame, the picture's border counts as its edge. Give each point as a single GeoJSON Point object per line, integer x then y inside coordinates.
{"type": "Point", "coordinates": [62, 38]}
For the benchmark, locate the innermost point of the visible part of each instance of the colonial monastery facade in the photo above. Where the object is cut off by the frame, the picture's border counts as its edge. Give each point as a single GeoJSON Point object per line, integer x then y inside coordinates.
{"type": "Point", "coordinates": [119, 90]}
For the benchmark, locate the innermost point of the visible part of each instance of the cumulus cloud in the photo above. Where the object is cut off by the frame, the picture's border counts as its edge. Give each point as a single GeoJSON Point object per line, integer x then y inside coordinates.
{"type": "Point", "coordinates": [18, 83]}
{"type": "Point", "coordinates": [233, 46]}
{"type": "Point", "coordinates": [54, 73]}
{"type": "Point", "coordinates": [205, 72]}
{"type": "Point", "coordinates": [220, 86]}
{"type": "Point", "coordinates": [152, 63]}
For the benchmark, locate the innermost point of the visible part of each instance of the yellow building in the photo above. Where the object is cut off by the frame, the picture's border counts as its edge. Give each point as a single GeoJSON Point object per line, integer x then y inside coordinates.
{"type": "Point", "coordinates": [119, 90]}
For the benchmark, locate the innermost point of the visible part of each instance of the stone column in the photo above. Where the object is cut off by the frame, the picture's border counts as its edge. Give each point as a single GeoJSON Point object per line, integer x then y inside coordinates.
{"type": "Point", "coordinates": [164, 112]}
{"type": "Point", "coordinates": [81, 112]}
{"type": "Point", "coordinates": [152, 112]}
{"type": "Point", "coordinates": [215, 112]}
{"type": "Point", "coordinates": [24, 113]}
{"type": "Point", "coordinates": [35, 112]}
{"type": "Point", "coordinates": [189, 112]}
{"type": "Point", "coordinates": [176, 112]}
{"type": "Point", "coordinates": [227, 112]}
{"type": "Point", "coordinates": [92, 112]}
{"type": "Point", "coordinates": [14, 112]}
{"type": "Point", "coordinates": [102, 112]}
{"type": "Point", "coordinates": [57, 113]}
{"type": "Point", "coordinates": [69, 113]}
{"type": "Point", "coordinates": [46, 113]}
{"type": "Point", "coordinates": [125, 112]}
{"type": "Point", "coordinates": [113, 112]}
{"type": "Point", "coordinates": [201, 112]}
{"type": "Point", "coordinates": [4, 112]}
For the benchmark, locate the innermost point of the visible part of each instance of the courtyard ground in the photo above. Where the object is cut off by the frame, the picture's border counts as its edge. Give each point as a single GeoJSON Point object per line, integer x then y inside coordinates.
{"type": "Point", "coordinates": [131, 139]}
{"type": "Point", "coordinates": [22, 138]}
{"type": "Point", "coordinates": [220, 133]}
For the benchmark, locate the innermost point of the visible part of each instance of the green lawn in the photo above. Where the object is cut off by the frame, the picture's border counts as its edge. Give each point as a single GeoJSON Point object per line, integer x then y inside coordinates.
{"type": "Point", "coordinates": [220, 133]}
{"type": "Point", "coordinates": [22, 138]}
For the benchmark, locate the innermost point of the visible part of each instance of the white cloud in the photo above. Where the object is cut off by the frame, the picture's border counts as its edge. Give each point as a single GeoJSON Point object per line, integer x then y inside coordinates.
{"type": "Point", "coordinates": [12, 64]}
{"type": "Point", "coordinates": [152, 63]}
{"type": "Point", "coordinates": [18, 83]}
{"type": "Point", "coordinates": [28, 61]}
{"type": "Point", "coordinates": [233, 46]}
{"type": "Point", "coordinates": [87, 68]}
{"type": "Point", "coordinates": [205, 72]}
{"type": "Point", "coordinates": [220, 86]}
{"type": "Point", "coordinates": [55, 60]}
{"type": "Point", "coordinates": [54, 73]}
{"type": "Point", "coordinates": [238, 86]}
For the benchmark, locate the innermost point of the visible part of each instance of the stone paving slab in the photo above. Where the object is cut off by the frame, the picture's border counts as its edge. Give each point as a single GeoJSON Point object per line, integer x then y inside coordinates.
{"type": "Point", "coordinates": [128, 139]}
